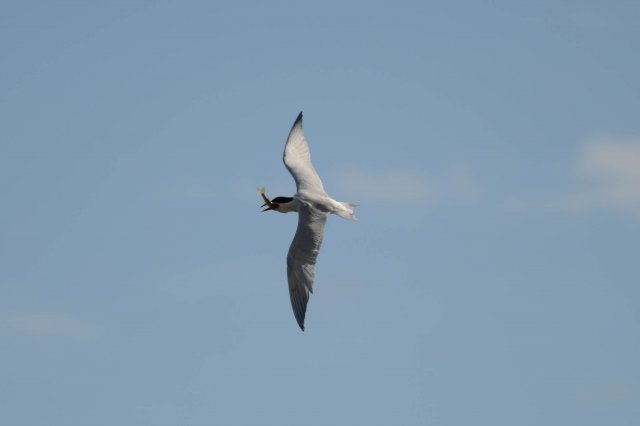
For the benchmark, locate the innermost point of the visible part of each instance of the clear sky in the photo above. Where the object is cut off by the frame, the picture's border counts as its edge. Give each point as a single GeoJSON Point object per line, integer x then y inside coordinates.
{"type": "Point", "coordinates": [493, 277]}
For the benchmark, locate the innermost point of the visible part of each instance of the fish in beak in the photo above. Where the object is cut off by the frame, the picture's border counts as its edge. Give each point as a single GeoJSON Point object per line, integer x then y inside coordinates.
{"type": "Point", "coordinates": [268, 205]}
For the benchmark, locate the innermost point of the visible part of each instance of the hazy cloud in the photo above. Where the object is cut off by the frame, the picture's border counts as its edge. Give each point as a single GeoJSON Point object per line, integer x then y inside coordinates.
{"type": "Point", "coordinates": [606, 174]}
{"type": "Point", "coordinates": [386, 186]}
{"type": "Point", "coordinates": [45, 325]}
{"type": "Point", "coordinates": [611, 167]}
{"type": "Point", "coordinates": [455, 184]}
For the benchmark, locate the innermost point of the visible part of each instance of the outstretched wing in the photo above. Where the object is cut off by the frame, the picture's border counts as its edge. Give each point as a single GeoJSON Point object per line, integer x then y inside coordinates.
{"type": "Point", "coordinates": [301, 260]}
{"type": "Point", "coordinates": [297, 158]}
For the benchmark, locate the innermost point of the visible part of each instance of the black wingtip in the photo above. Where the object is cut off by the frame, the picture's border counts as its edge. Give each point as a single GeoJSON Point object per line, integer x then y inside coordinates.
{"type": "Point", "coordinates": [300, 322]}
{"type": "Point", "coordinates": [296, 123]}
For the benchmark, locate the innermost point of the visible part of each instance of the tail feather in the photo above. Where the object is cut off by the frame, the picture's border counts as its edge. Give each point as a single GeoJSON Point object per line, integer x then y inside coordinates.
{"type": "Point", "coordinates": [346, 212]}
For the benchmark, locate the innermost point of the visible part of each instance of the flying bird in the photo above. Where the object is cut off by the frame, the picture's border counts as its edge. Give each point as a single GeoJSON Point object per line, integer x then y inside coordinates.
{"type": "Point", "coordinates": [313, 206]}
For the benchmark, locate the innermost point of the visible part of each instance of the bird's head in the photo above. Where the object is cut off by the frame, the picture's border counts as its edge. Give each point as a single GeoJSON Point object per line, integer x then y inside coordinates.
{"type": "Point", "coordinates": [279, 204]}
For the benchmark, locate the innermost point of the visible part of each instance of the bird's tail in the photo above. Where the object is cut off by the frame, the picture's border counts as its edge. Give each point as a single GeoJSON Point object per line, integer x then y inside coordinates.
{"type": "Point", "coordinates": [346, 212]}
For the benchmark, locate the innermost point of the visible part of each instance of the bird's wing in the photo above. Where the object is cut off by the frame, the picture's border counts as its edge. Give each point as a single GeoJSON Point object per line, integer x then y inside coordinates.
{"type": "Point", "coordinates": [297, 158]}
{"type": "Point", "coordinates": [301, 260]}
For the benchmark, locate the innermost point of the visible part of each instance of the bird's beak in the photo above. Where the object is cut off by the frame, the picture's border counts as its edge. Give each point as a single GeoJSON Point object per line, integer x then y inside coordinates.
{"type": "Point", "coordinates": [267, 203]}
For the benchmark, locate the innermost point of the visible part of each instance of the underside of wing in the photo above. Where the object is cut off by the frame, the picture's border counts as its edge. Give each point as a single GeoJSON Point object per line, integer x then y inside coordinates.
{"type": "Point", "coordinates": [301, 260]}
{"type": "Point", "coordinates": [297, 158]}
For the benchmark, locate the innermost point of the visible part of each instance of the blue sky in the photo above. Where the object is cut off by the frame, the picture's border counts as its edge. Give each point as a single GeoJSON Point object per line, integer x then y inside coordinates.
{"type": "Point", "coordinates": [492, 279]}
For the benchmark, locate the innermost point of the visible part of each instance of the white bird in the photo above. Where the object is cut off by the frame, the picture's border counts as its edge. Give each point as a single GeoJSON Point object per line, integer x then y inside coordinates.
{"type": "Point", "coordinates": [313, 206]}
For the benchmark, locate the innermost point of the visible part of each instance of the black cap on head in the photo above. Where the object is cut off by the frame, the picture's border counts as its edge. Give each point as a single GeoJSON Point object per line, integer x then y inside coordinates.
{"type": "Point", "coordinates": [282, 200]}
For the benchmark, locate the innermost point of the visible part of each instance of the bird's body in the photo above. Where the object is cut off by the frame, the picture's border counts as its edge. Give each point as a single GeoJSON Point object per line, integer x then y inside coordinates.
{"type": "Point", "coordinates": [321, 202]}
{"type": "Point", "coordinates": [313, 205]}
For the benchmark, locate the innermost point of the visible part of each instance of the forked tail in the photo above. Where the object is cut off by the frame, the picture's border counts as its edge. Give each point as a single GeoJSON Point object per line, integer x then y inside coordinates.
{"type": "Point", "coordinates": [346, 212]}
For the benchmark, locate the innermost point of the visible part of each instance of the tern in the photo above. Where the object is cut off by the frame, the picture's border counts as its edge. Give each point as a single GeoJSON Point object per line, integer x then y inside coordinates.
{"type": "Point", "coordinates": [313, 206]}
